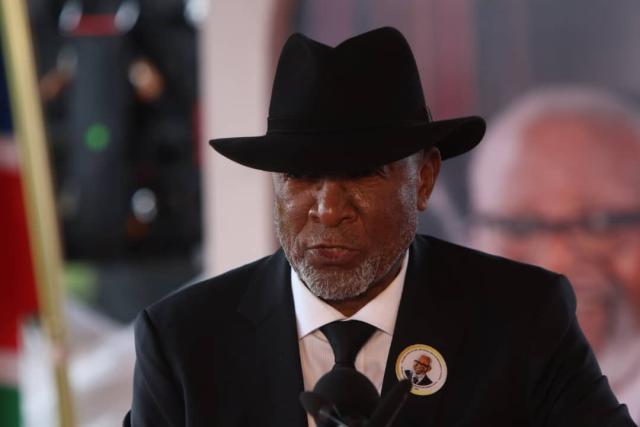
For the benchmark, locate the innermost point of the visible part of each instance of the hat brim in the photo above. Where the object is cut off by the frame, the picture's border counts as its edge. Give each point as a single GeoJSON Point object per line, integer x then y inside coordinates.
{"type": "Point", "coordinates": [350, 150]}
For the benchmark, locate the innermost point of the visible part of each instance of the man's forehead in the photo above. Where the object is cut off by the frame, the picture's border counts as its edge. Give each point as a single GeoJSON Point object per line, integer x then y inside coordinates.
{"type": "Point", "coordinates": [578, 140]}
{"type": "Point", "coordinates": [587, 123]}
{"type": "Point", "coordinates": [562, 163]}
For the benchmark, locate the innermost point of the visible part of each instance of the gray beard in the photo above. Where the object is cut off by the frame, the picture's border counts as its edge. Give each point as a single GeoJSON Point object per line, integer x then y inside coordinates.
{"type": "Point", "coordinates": [339, 284]}
{"type": "Point", "coordinates": [336, 285]}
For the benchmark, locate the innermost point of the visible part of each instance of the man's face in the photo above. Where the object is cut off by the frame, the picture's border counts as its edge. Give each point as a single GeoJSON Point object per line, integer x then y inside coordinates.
{"type": "Point", "coordinates": [422, 366]}
{"type": "Point", "coordinates": [564, 193]}
{"type": "Point", "coordinates": [344, 234]}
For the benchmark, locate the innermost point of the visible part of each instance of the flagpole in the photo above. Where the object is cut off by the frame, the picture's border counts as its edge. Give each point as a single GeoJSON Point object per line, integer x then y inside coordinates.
{"type": "Point", "coordinates": [37, 187]}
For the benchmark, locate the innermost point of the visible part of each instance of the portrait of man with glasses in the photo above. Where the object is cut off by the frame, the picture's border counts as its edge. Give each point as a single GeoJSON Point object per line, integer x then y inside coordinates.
{"type": "Point", "coordinates": [557, 184]}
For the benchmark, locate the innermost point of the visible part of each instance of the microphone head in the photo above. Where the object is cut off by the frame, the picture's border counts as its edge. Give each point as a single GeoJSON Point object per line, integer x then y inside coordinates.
{"type": "Point", "coordinates": [352, 394]}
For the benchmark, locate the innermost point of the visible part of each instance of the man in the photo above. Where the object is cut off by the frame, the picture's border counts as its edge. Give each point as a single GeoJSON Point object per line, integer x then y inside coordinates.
{"type": "Point", "coordinates": [355, 155]}
{"type": "Point", "coordinates": [418, 375]}
{"type": "Point", "coordinates": [557, 183]}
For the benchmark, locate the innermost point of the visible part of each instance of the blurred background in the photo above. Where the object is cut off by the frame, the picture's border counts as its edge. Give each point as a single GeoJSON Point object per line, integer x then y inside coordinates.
{"type": "Point", "coordinates": [133, 89]}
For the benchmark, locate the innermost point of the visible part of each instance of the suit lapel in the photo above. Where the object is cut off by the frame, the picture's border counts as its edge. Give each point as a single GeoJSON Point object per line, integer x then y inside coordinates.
{"type": "Point", "coordinates": [433, 311]}
{"type": "Point", "coordinates": [268, 304]}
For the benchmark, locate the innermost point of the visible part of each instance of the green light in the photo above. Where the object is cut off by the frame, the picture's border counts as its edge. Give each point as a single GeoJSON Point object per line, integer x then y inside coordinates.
{"type": "Point", "coordinates": [97, 137]}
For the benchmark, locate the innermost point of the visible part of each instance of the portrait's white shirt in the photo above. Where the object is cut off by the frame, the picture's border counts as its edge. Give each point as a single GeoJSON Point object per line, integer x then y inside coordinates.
{"type": "Point", "coordinates": [316, 355]}
{"type": "Point", "coordinates": [417, 378]}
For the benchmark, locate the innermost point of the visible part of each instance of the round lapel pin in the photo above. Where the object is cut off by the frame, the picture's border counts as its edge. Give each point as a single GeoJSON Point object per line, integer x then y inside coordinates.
{"type": "Point", "coordinates": [424, 366]}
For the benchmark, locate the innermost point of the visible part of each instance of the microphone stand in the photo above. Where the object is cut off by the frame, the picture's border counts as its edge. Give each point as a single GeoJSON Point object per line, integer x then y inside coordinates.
{"type": "Point", "coordinates": [344, 397]}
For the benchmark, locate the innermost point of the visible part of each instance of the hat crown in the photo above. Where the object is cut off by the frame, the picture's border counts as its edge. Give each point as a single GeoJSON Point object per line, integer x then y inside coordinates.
{"type": "Point", "coordinates": [346, 109]}
{"type": "Point", "coordinates": [371, 79]}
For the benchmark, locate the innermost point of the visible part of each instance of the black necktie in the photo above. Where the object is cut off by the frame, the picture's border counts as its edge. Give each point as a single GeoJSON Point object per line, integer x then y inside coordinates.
{"type": "Point", "coordinates": [346, 339]}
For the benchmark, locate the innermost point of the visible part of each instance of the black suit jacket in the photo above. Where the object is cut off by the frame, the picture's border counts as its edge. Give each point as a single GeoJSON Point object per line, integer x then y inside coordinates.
{"type": "Point", "coordinates": [507, 331]}
{"type": "Point", "coordinates": [408, 374]}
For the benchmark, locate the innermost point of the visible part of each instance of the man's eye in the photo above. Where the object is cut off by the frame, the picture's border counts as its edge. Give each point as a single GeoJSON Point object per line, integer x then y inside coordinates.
{"type": "Point", "coordinates": [297, 176]}
{"type": "Point", "coordinates": [369, 172]}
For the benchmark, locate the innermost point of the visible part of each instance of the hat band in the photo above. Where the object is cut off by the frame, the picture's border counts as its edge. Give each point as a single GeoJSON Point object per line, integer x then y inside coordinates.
{"type": "Point", "coordinates": [310, 126]}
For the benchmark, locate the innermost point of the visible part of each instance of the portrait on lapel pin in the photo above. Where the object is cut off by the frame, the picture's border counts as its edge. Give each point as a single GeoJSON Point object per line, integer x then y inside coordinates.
{"type": "Point", "coordinates": [424, 367]}
{"type": "Point", "coordinates": [419, 374]}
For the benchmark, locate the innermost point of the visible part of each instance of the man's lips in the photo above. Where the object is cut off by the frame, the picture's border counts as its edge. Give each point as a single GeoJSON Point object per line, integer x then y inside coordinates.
{"type": "Point", "coordinates": [325, 254]}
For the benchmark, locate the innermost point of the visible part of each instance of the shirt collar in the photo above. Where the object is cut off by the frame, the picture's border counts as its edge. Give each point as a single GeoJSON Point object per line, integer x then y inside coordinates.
{"type": "Point", "coordinates": [313, 313]}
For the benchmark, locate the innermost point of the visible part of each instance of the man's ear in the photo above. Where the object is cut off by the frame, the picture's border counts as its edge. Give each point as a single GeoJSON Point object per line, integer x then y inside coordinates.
{"type": "Point", "coordinates": [429, 169]}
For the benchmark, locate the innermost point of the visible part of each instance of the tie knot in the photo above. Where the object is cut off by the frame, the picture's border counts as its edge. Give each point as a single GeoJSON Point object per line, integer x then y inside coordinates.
{"type": "Point", "coordinates": [346, 339]}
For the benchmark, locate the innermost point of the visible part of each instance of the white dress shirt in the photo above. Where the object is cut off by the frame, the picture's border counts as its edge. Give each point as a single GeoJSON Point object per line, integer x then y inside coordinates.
{"type": "Point", "coordinates": [316, 355]}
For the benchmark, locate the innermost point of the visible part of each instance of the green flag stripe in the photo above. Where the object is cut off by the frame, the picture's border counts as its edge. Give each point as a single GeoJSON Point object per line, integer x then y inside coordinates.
{"type": "Point", "coordinates": [9, 407]}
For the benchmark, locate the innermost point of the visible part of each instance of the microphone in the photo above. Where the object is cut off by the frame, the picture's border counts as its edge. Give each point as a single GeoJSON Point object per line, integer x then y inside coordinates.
{"type": "Point", "coordinates": [391, 405]}
{"type": "Point", "coordinates": [344, 397]}
{"type": "Point", "coordinates": [319, 409]}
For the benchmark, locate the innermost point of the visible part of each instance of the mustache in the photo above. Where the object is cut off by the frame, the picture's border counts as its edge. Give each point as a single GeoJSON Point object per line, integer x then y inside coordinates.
{"type": "Point", "coordinates": [333, 238]}
{"type": "Point", "coordinates": [342, 236]}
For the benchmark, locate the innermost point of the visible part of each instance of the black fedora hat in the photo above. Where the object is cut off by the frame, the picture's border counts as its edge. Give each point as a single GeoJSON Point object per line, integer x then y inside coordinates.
{"type": "Point", "coordinates": [356, 106]}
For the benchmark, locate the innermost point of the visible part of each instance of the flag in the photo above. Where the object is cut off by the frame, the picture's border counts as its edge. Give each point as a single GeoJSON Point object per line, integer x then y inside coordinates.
{"type": "Point", "coordinates": [17, 283]}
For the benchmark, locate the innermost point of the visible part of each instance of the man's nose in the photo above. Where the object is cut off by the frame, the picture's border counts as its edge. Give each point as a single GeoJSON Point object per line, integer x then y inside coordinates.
{"type": "Point", "coordinates": [332, 203]}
